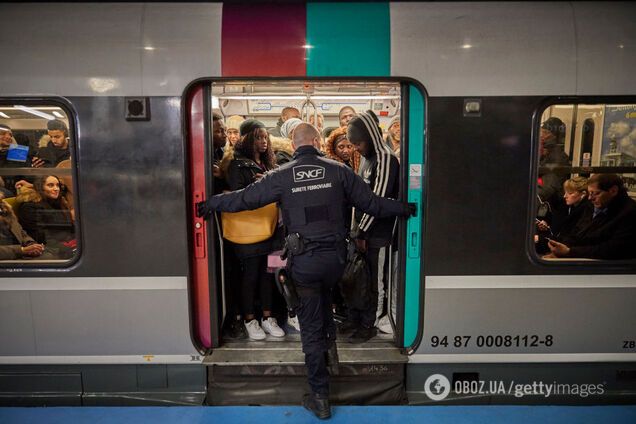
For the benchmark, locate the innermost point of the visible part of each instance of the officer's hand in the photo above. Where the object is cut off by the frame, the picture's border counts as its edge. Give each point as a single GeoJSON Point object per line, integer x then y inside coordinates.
{"type": "Point", "coordinates": [411, 209]}
{"type": "Point", "coordinates": [203, 211]}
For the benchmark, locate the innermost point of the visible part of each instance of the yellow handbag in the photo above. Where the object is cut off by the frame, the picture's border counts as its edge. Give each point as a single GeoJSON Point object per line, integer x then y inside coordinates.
{"type": "Point", "coordinates": [248, 227]}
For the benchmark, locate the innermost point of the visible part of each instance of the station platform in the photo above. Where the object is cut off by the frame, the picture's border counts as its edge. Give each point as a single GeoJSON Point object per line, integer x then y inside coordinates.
{"type": "Point", "coordinates": [341, 415]}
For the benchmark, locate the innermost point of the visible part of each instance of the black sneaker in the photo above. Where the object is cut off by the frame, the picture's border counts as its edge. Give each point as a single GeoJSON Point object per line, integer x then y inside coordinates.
{"type": "Point", "coordinates": [318, 404]}
{"type": "Point", "coordinates": [362, 335]}
{"type": "Point", "coordinates": [235, 330]}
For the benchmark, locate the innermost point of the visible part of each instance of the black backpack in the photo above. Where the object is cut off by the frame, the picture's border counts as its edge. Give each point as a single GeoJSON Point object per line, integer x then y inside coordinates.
{"type": "Point", "coordinates": [356, 280]}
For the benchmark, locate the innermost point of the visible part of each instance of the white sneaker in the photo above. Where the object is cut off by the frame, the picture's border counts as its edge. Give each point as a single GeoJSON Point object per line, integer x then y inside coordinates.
{"type": "Point", "coordinates": [293, 323]}
{"type": "Point", "coordinates": [271, 326]}
{"type": "Point", "coordinates": [254, 331]}
{"type": "Point", "coordinates": [384, 325]}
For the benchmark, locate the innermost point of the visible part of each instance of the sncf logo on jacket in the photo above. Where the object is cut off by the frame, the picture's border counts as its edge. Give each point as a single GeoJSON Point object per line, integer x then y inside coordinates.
{"type": "Point", "coordinates": [308, 173]}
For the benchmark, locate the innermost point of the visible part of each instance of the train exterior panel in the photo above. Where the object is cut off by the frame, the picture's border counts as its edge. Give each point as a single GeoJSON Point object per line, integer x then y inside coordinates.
{"type": "Point", "coordinates": [126, 300]}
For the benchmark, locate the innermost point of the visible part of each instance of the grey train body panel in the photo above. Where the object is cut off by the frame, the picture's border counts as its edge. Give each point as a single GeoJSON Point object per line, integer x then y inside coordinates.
{"type": "Point", "coordinates": [125, 302]}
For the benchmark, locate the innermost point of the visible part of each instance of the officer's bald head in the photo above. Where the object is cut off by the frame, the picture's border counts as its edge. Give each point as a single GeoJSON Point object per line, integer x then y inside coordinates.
{"type": "Point", "coordinates": [306, 135]}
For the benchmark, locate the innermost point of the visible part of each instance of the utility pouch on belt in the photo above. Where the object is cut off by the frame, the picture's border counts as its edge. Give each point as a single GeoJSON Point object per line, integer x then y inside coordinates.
{"type": "Point", "coordinates": [294, 244]}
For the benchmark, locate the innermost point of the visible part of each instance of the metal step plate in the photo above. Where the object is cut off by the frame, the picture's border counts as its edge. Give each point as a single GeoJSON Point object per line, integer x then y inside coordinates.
{"type": "Point", "coordinates": [288, 351]}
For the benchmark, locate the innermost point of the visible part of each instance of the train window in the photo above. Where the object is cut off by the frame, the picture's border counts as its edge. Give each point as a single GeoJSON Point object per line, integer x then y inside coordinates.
{"type": "Point", "coordinates": [586, 183]}
{"type": "Point", "coordinates": [38, 222]}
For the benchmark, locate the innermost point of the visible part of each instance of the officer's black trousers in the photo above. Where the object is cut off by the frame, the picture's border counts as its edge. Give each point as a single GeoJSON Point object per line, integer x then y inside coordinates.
{"type": "Point", "coordinates": [315, 274]}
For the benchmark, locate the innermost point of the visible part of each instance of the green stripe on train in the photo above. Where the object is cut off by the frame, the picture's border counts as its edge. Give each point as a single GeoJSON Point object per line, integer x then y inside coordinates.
{"type": "Point", "coordinates": [333, 29]}
{"type": "Point", "coordinates": [415, 194]}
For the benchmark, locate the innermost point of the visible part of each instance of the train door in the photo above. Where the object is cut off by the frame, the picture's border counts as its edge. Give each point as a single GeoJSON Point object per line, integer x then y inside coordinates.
{"type": "Point", "coordinates": [264, 100]}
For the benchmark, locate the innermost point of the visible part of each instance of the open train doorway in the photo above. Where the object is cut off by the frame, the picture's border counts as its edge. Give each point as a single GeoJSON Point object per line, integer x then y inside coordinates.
{"type": "Point", "coordinates": [218, 266]}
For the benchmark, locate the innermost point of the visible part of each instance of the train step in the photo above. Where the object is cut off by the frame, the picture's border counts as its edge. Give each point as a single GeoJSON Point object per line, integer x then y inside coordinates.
{"type": "Point", "coordinates": [273, 373]}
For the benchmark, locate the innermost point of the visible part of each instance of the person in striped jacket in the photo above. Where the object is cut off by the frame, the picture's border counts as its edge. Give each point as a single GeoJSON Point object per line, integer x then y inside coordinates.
{"type": "Point", "coordinates": [380, 169]}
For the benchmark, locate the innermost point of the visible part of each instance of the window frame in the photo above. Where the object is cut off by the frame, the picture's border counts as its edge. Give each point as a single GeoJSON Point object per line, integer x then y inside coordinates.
{"type": "Point", "coordinates": [565, 264]}
{"type": "Point", "coordinates": [73, 128]}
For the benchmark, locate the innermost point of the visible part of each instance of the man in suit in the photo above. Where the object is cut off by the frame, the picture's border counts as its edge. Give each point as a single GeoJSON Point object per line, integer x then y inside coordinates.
{"type": "Point", "coordinates": [609, 230]}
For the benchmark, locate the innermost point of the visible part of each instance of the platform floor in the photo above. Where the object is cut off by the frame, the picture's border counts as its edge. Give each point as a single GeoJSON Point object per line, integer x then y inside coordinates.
{"type": "Point", "coordinates": [341, 414]}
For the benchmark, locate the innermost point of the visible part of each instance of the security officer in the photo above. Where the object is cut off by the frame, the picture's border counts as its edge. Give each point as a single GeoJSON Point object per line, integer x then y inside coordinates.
{"type": "Point", "coordinates": [313, 193]}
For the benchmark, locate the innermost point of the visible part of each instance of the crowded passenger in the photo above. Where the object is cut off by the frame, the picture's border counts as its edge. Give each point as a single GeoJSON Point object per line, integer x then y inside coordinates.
{"type": "Point", "coordinates": [345, 115]}
{"type": "Point", "coordinates": [288, 127]}
{"type": "Point", "coordinates": [282, 145]}
{"type": "Point", "coordinates": [232, 124]}
{"type": "Point", "coordinates": [252, 158]}
{"type": "Point", "coordinates": [57, 150]}
{"type": "Point", "coordinates": [44, 213]}
{"type": "Point", "coordinates": [9, 158]}
{"type": "Point", "coordinates": [317, 120]}
{"type": "Point", "coordinates": [380, 170]}
{"type": "Point", "coordinates": [340, 149]}
{"type": "Point", "coordinates": [285, 114]}
{"type": "Point", "coordinates": [15, 243]}
{"type": "Point", "coordinates": [219, 141]}
{"type": "Point", "coordinates": [606, 231]}
{"type": "Point", "coordinates": [393, 135]}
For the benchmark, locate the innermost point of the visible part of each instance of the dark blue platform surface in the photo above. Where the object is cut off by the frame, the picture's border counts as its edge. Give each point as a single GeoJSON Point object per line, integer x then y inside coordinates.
{"type": "Point", "coordinates": [342, 414]}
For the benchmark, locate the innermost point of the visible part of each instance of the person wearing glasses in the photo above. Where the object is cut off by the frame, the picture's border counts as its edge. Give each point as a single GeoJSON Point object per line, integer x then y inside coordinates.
{"type": "Point", "coordinates": [606, 231]}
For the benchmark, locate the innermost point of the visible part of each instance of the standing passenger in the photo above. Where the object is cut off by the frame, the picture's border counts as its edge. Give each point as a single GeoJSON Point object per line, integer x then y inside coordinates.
{"type": "Point", "coordinates": [312, 192]}
{"type": "Point", "coordinates": [285, 114]}
{"type": "Point", "coordinates": [345, 115]}
{"type": "Point", "coordinates": [233, 124]}
{"type": "Point", "coordinates": [380, 170]}
{"type": "Point", "coordinates": [253, 157]}
{"type": "Point", "coordinates": [393, 135]}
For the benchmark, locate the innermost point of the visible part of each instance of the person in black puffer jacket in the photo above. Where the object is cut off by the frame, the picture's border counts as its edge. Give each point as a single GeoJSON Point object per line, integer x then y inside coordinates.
{"type": "Point", "coordinates": [253, 157]}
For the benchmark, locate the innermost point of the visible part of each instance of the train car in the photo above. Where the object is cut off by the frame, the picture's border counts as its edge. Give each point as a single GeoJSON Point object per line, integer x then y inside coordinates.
{"type": "Point", "coordinates": [128, 308]}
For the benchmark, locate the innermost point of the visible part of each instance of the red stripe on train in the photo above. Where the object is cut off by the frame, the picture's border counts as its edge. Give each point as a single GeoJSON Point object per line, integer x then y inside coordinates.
{"type": "Point", "coordinates": [263, 40]}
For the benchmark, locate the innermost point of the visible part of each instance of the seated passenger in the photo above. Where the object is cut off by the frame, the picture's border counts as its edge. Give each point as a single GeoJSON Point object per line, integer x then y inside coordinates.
{"type": "Point", "coordinates": [57, 149]}
{"type": "Point", "coordinates": [253, 157]}
{"type": "Point", "coordinates": [577, 203]}
{"type": "Point", "coordinates": [606, 231]}
{"type": "Point", "coordinates": [15, 243]}
{"type": "Point", "coordinates": [565, 219]}
{"type": "Point", "coordinates": [45, 215]}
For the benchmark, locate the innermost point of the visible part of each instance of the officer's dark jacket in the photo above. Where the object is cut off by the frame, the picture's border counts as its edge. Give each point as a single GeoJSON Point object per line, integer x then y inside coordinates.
{"type": "Point", "coordinates": [313, 193]}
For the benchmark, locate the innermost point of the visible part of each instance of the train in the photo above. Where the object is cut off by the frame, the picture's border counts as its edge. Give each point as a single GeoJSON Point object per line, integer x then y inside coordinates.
{"type": "Point", "coordinates": [134, 314]}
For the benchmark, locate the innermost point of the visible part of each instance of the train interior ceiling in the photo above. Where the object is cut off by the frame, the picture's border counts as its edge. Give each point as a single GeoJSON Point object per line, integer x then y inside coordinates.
{"type": "Point", "coordinates": [264, 100]}
{"type": "Point", "coordinates": [318, 102]}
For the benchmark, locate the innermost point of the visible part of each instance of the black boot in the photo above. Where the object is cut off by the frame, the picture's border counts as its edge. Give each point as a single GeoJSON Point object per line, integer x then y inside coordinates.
{"type": "Point", "coordinates": [318, 404]}
{"type": "Point", "coordinates": [333, 362]}
{"type": "Point", "coordinates": [362, 335]}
